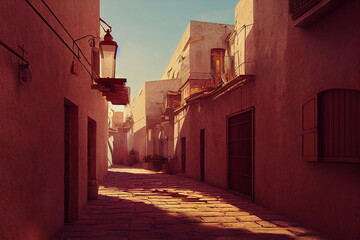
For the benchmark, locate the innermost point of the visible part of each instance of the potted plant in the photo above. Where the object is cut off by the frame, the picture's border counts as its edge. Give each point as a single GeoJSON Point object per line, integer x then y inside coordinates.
{"type": "Point", "coordinates": [166, 166]}
{"type": "Point", "coordinates": [157, 162]}
{"type": "Point", "coordinates": [147, 164]}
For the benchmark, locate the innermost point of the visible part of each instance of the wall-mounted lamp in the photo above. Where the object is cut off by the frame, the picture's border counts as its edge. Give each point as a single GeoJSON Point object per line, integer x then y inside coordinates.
{"type": "Point", "coordinates": [113, 88]}
{"type": "Point", "coordinates": [108, 49]}
{"type": "Point", "coordinates": [24, 71]}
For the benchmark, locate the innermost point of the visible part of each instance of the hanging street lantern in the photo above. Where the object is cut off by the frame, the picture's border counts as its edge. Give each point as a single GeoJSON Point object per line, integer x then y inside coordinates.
{"type": "Point", "coordinates": [114, 89]}
{"type": "Point", "coordinates": [108, 49]}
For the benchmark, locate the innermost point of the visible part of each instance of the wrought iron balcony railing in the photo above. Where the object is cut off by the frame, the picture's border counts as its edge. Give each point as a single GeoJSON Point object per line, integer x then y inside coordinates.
{"type": "Point", "coordinates": [299, 7]}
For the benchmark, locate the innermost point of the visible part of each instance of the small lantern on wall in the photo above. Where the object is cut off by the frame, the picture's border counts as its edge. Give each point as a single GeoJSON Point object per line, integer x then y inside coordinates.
{"type": "Point", "coordinates": [108, 49]}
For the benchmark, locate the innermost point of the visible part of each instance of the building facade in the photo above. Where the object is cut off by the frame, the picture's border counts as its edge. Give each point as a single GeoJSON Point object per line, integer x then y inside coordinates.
{"type": "Point", "coordinates": [307, 62]}
{"type": "Point", "coordinates": [53, 135]}
{"type": "Point", "coordinates": [144, 114]}
{"type": "Point", "coordinates": [270, 109]}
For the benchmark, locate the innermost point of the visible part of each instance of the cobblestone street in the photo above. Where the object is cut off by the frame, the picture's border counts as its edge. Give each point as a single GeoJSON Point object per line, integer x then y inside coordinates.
{"type": "Point", "coordinates": [140, 204]}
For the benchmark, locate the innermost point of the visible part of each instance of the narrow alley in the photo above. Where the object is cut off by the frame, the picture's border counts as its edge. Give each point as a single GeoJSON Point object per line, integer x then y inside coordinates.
{"type": "Point", "coordinates": [204, 119]}
{"type": "Point", "coordinates": [141, 204]}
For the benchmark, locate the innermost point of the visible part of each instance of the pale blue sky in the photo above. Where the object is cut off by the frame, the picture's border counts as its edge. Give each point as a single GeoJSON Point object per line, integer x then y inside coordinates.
{"type": "Point", "coordinates": [148, 31]}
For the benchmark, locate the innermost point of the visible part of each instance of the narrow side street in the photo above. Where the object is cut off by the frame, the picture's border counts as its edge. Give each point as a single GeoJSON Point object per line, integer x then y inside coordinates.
{"type": "Point", "coordinates": [140, 204]}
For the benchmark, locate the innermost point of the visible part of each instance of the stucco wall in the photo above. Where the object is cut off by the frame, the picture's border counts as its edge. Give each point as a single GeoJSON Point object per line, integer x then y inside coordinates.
{"type": "Point", "coordinates": [146, 109]}
{"type": "Point", "coordinates": [191, 59]}
{"type": "Point", "coordinates": [32, 116]}
{"type": "Point", "coordinates": [206, 36]}
{"type": "Point", "coordinates": [244, 39]}
{"type": "Point", "coordinates": [210, 115]}
{"type": "Point", "coordinates": [137, 135]}
{"type": "Point", "coordinates": [294, 64]}
{"type": "Point", "coordinates": [155, 92]}
{"type": "Point", "coordinates": [173, 65]}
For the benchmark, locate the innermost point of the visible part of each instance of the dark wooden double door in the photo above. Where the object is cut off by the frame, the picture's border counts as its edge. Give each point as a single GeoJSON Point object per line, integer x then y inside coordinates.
{"type": "Point", "coordinates": [240, 153]}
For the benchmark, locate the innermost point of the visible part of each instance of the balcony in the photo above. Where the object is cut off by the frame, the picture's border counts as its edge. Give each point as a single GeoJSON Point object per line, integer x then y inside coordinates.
{"type": "Point", "coordinates": [243, 48]}
{"type": "Point", "coordinates": [305, 12]}
{"type": "Point", "coordinates": [170, 103]}
{"type": "Point", "coordinates": [299, 7]}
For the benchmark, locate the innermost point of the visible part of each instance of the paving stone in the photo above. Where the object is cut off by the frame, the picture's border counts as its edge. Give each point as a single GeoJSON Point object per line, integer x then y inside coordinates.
{"type": "Point", "coordinates": [205, 214]}
{"type": "Point", "coordinates": [243, 225]}
{"type": "Point", "coordinates": [279, 231]}
{"type": "Point", "coordinates": [140, 204]}
{"type": "Point", "coordinates": [208, 209]}
{"type": "Point", "coordinates": [220, 219]}
{"type": "Point", "coordinates": [143, 208]}
{"type": "Point", "coordinates": [206, 227]}
{"type": "Point", "coordinates": [281, 223]}
{"type": "Point", "coordinates": [266, 224]}
{"type": "Point", "coordinates": [310, 238]}
{"type": "Point", "coordinates": [250, 218]}
{"type": "Point", "coordinates": [191, 219]}
{"type": "Point", "coordinates": [135, 235]}
{"type": "Point", "coordinates": [301, 231]}
{"type": "Point", "coordinates": [179, 228]}
{"type": "Point", "coordinates": [237, 213]}
{"type": "Point", "coordinates": [142, 220]}
{"type": "Point", "coordinates": [176, 236]}
{"type": "Point", "coordinates": [140, 227]}
{"type": "Point", "coordinates": [208, 199]}
{"type": "Point", "coordinates": [230, 209]}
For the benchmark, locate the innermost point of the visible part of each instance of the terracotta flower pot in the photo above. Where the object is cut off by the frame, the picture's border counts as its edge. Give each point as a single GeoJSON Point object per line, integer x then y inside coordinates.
{"type": "Point", "coordinates": [166, 168]}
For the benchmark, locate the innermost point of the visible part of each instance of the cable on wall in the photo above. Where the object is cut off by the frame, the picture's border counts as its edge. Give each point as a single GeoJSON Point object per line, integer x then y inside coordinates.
{"type": "Point", "coordinates": [61, 39]}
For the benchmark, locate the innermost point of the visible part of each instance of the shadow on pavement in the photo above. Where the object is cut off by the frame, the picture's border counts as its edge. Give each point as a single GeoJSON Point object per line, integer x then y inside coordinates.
{"type": "Point", "coordinates": [136, 205]}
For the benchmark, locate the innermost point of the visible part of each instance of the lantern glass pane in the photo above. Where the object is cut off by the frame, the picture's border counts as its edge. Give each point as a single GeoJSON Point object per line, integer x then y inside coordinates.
{"type": "Point", "coordinates": [107, 66]}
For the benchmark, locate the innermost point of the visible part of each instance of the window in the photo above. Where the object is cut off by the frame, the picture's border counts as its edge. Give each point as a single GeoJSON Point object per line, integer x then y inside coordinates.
{"type": "Point", "coordinates": [217, 60]}
{"type": "Point", "coordinates": [217, 63]}
{"type": "Point", "coordinates": [339, 125]}
{"type": "Point", "coordinates": [332, 133]}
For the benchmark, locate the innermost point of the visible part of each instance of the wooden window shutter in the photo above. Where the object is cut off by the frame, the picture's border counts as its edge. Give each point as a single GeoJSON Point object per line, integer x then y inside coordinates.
{"type": "Point", "coordinates": [309, 131]}
{"type": "Point", "coordinates": [339, 125]}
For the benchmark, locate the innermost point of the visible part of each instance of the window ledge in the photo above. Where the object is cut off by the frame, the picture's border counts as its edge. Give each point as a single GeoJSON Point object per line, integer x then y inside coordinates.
{"type": "Point", "coordinates": [315, 12]}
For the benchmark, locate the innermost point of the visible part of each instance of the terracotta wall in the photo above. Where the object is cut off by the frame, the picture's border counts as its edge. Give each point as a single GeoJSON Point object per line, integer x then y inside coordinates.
{"type": "Point", "coordinates": [294, 64]}
{"type": "Point", "coordinates": [32, 116]}
{"type": "Point", "coordinates": [206, 36]}
{"type": "Point", "coordinates": [210, 115]}
{"type": "Point", "coordinates": [146, 109]}
{"type": "Point", "coordinates": [173, 66]}
{"type": "Point", "coordinates": [120, 151]}
{"type": "Point", "coordinates": [193, 51]}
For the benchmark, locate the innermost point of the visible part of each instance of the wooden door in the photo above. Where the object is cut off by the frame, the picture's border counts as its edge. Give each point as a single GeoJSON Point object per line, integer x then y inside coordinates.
{"type": "Point", "coordinates": [91, 157]}
{"type": "Point", "coordinates": [71, 162]}
{"type": "Point", "coordinates": [67, 164]}
{"type": "Point", "coordinates": [240, 153]}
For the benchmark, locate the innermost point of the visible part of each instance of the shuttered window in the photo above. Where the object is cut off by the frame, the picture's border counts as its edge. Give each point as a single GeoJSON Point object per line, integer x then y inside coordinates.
{"type": "Point", "coordinates": [339, 125]}
{"type": "Point", "coordinates": [309, 135]}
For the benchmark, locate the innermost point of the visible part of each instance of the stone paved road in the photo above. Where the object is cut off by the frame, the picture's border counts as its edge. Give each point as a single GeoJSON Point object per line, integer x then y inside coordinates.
{"type": "Point", "coordinates": [141, 204]}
